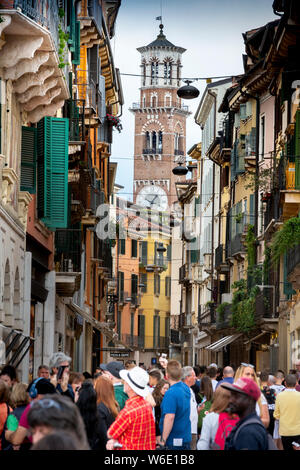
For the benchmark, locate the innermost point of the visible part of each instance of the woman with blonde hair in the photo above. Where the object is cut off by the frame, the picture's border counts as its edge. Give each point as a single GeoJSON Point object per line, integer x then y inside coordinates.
{"type": "Point", "coordinates": [218, 422]}
{"type": "Point", "coordinates": [107, 407]}
{"type": "Point", "coordinates": [248, 371]}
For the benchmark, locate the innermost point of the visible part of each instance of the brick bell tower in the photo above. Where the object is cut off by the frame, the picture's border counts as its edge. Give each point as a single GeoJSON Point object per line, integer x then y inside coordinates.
{"type": "Point", "coordinates": [160, 125]}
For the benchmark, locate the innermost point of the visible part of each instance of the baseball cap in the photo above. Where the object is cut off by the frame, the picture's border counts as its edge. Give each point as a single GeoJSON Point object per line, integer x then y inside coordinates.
{"type": "Point", "coordinates": [245, 386]}
{"type": "Point", "coordinates": [113, 367]}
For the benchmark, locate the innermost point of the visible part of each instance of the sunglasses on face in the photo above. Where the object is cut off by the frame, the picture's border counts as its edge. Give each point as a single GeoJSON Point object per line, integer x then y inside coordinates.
{"type": "Point", "coordinates": [247, 365]}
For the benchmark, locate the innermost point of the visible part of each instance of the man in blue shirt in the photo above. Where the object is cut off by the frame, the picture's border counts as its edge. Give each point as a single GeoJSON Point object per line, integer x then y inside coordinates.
{"type": "Point", "coordinates": [175, 424]}
{"type": "Point", "coordinates": [228, 376]}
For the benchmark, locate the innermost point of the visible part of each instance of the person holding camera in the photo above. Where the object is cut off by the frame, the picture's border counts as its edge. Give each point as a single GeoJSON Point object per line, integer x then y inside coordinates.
{"type": "Point", "coordinates": [60, 370]}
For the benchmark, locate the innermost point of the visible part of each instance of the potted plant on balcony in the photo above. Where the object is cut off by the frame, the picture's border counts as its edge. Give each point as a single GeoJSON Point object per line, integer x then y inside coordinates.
{"type": "Point", "coordinates": [286, 238]}
{"type": "Point", "coordinates": [221, 312]}
{"type": "Point", "coordinates": [114, 121]}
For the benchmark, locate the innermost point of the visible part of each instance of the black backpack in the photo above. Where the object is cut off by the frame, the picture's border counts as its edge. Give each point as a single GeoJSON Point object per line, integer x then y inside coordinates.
{"type": "Point", "coordinates": [256, 420]}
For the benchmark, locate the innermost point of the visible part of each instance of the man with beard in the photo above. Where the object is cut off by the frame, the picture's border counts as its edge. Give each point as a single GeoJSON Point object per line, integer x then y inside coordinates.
{"type": "Point", "coordinates": [249, 433]}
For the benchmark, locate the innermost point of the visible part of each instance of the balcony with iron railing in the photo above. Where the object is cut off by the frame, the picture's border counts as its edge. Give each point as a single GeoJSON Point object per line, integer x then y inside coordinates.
{"type": "Point", "coordinates": [185, 273]}
{"type": "Point", "coordinates": [207, 315]}
{"type": "Point", "coordinates": [45, 13]}
{"type": "Point", "coordinates": [178, 152]}
{"type": "Point", "coordinates": [75, 111]}
{"type": "Point", "coordinates": [293, 266]}
{"type": "Point", "coordinates": [220, 263]}
{"type": "Point", "coordinates": [67, 261]}
{"type": "Point", "coordinates": [265, 304]}
{"type": "Point", "coordinates": [235, 246]}
{"type": "Point", "coordinates": [145, 342]}
{"type": "Point", "coordinates": [152, 151]}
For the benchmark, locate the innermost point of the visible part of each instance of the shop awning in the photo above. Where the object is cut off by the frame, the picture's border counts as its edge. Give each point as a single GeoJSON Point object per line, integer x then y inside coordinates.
{"type": "Point", "coordinates": [256, 337]}
{"type": "Point", "coordinates": [103, 327]}
{"type": "Point", "coordinates": [221, 343]}
{"type": "Point", "coordinates": [15, 343]}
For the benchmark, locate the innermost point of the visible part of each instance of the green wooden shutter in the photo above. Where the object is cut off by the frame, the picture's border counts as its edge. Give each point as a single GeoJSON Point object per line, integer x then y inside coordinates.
{"type": "Point", "coordinates": [72, 27]}
{"type": "Point", "coordinates": [28, 160]}
{"type": "Point", "coordinates": [297, 151]}
{"type": "Point", "coordinates": [141, 330]}
{"type": "Point", "coordinates": [52, 157]}
{"type": "Point", "coordinates": [76, 53]}
{"type": "Point", "coordinates": [169, 252]}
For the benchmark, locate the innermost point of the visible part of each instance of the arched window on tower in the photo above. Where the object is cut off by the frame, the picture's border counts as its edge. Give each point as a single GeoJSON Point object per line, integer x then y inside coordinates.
{"type": "Point", "coordinates": [176, 143]}
{"type": "Point", "coordinates": [178, 74]}
{"type": "Point", "coordinates": [144, 74]}
{"type": "Point", "coordinates": [154, 140]}
{"type": "Point", "coordinates": [154, 73]}
{"type": "Point", "coordinates": [168, 73]}
{"type": "Point", "coordinates": [154, 101]}
{"type": "Point", "coordinates": [160, 141]}
{"type": "Point", "coordinates": [148, 145]}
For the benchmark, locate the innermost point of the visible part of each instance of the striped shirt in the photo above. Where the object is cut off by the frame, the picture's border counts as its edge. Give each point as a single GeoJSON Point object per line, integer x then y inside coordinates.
{"type": "Point", "coordinates": [134, 426]}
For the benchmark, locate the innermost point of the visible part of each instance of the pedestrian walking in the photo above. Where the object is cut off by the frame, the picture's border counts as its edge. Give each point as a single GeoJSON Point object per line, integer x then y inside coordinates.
{"type": "Point", "coordinates": [189, 378]}
{"type": "Point", "coordinates": [134, 427]}
{"type": "Point", "coordinates": [287, 411]}
{"type": "Point", "coordinates": [56, 413]}
{"type": "Point", "coordinates": [212, 372]}
{"type": "Point", "coordinates": [175, 424]}
{"type": "Point", "coordinates": [227, 376]}
{"type": "Point", "coordinates": [205, 397]}
{"type": "Point", "coordinates": [248, 371]}
{"type": "Point", "coordinates": [278, 387]}
{"type": "Point", "coordinates": [158, 394]}
{"type": "Point", "coordinates": [37, 389]}
{"type": "Point", "coordinates": [9, 375]}
{"type": "Point", "coordinates": [19, 400]}
{"type": "Point", "coordinates": [218, 423]}
{"type": "Point", "coordinates": [112, 371]}
{"type": "Point", "coordinates": [59, 371]}
{"type": "Point", "coordinates": [249, 433]}
{"type": "Point", "coordinates": [107, 407]}
{"type": "Point", "coordinates": [43, 371]}
{"type": "Point", "coordinates": [5, 410]}
{"type": "Point", "coordinates": [270, 396]}
{"type": "Point", "coordinates": [87, 405]}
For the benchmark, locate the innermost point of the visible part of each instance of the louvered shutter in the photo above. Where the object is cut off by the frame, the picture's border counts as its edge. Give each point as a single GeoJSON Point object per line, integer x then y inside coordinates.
{"type": "Point", "coordinates": [72, 27]}
{"type": "Point", "coordinates": [102, 97]}
{"type": "Point", "coordinates": [297, 151]}
{"type": "Point", "coordinates": [52, 156]}
{"type": "Point", "coordinates": [252, 210]}
{"type": "Point", "coordinates": [141, 330]}
{"type": "Point", "coordinates": [28, 160]}
{"type": "Point", "coordinates": [76, 53]}
{"type": "Point", "coordinates": [144, 254]}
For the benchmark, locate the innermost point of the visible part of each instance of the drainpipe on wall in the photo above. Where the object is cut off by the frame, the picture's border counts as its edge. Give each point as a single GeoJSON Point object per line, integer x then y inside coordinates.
{"type": "Point", "coordinates": [213, 202]}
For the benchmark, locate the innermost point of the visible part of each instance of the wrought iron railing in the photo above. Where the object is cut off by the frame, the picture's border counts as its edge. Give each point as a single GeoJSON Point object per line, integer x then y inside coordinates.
{"type": "Point", "coordinates": [219, 256]}
{"type": "Point", "coordinates": [68, 250]}
{"type": "Point", "coordinates": [75, 113]}
{"type": "Point", "coordinates": [160, 104]}
{"type": "Point", "coordinates": [289, 172]}
{"type": "Point", "coordinates": [292, 259]}
{"type": "Point", "coordinates": [235, 246]}
{"type": "Point", "coordinates": [156, 151]}
{"type": "Point", "coordinates": [45, 13]}
{"type": "Point", "coordinates": [178, 152]}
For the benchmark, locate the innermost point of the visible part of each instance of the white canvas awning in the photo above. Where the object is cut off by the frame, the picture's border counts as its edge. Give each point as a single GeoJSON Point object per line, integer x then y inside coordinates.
{"type": "Point", "coordinates": [221, 343]}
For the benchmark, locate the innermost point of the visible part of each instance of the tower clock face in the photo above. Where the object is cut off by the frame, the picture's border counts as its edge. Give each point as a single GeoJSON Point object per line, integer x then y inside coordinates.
{"type": "Point", "coordinates": [154, 197]}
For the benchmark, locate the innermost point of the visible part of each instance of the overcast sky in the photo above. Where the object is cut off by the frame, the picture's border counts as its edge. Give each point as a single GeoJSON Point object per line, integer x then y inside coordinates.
{"type": "Point", "coordinates": [210, 30]}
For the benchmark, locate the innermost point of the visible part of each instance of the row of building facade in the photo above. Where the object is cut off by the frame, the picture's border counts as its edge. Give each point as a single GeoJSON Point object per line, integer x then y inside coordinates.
{"type": "Point", "coordinates": [239, 273]}
{"type": "Point", "coordinates": [61, 103]}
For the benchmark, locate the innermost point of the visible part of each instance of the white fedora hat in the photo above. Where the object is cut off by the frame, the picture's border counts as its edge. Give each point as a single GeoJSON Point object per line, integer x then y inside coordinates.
{"type": "Point", "coordinates": [137, 379]}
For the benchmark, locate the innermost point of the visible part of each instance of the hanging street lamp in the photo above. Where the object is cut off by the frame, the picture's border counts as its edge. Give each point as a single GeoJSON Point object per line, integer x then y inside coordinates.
{"type": "Point", "coordinates": [188, 92]}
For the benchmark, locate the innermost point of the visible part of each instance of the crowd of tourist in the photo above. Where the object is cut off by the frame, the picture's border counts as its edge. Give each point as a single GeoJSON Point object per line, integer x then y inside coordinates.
{"type": "Point", "coordinates": [167, 406]}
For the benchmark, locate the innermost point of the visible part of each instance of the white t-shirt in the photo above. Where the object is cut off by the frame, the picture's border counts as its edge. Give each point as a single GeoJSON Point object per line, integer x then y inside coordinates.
{"type": "Point", "coordinates": [214, 383]}
{"type": "Point", "coordinates": [194, 413]}
{"type": "Point", "coordinates": [263, 402]}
